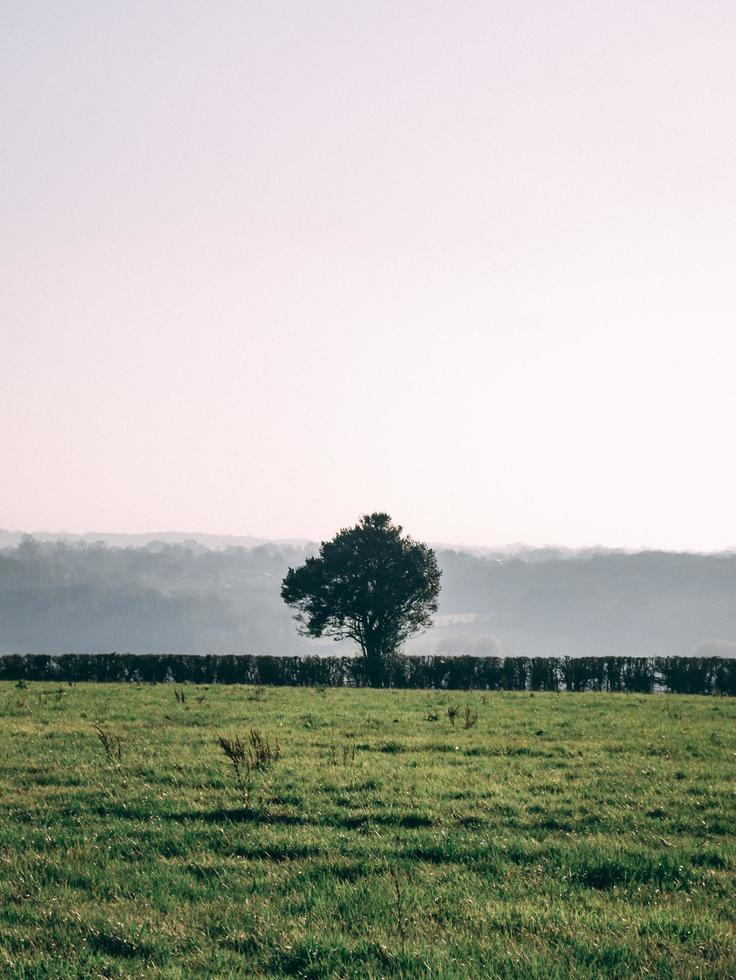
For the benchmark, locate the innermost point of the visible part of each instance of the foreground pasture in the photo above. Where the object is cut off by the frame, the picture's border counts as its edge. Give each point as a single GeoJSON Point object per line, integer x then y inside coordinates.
{"type": "Point", "coordinates": [558, 835]}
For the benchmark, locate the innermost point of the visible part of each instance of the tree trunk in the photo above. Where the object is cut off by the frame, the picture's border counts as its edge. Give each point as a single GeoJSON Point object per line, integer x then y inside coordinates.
{"type": "Point", "coordinates": [375, 663]}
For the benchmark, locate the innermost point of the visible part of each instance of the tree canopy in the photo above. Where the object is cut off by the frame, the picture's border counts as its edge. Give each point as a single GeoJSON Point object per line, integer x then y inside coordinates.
{"type": "Point", "coordinates": [371, 584]}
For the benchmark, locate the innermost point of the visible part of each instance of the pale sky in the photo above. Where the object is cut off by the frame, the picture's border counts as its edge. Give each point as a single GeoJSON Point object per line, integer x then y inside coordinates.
{"type": "Point", "coordinates": [267, 266]}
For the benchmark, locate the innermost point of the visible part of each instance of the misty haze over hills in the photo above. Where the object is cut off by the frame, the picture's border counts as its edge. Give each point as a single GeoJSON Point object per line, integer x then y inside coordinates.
{"type": "Point", "coordinates": [199, 541]}
{"type": "Point", "coordinates": [75, 593]}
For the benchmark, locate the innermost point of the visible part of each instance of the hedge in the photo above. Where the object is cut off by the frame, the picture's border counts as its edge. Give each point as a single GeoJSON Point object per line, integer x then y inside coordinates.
{"type": "Point", "coordinates": [676, 675]}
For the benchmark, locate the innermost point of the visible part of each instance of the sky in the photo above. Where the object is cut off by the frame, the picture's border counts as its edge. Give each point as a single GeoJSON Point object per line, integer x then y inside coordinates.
{"type": "Point", "coordinates": [267, 266]}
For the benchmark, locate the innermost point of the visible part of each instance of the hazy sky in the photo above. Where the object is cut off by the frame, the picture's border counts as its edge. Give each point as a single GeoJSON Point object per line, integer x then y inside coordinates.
{"type": "Point", "coordinates": [269, 265]}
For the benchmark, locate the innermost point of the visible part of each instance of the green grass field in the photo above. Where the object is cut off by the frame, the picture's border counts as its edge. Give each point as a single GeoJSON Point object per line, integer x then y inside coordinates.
{"type": "Point", "coordinates": [567, 835]}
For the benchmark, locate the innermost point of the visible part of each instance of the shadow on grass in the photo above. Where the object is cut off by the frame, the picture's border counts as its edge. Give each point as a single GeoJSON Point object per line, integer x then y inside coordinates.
{"type": "Point", "coordinates": [279, 818]}
{"type": "Point", "coordinates": [278, 853]}
{"type": "Point", "coordinates": [242, 815]}
{"type": "Point", "coordinates": [386, 820]}
{"type": "Point", "coordinates": [120, 946]}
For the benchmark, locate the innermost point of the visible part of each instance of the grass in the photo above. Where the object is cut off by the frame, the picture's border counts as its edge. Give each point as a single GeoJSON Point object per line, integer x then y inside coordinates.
{"type": "Point", "coordinates": [572, 835]}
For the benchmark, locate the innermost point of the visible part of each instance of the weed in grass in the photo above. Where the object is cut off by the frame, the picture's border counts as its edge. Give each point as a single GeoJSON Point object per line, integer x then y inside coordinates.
{"type": "Point", "coordinates": [470, 717]}
{"type": "Point", "coordinates": [343, 755]}
{"type": "Point", "coordinates": [452, 712]}
{"type": "Point", "coordinates": [399, 905]}
{"type": "Point", "coordinates": [673, 710]}
{"type": "Point", "coordinates": [111, 743]}
{"type": "Point", "coordinates": [248, 758]}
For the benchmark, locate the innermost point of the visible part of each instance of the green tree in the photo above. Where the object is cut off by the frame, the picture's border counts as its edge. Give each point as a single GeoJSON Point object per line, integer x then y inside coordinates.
{"type": "Point", "coordinates": [370, 584]}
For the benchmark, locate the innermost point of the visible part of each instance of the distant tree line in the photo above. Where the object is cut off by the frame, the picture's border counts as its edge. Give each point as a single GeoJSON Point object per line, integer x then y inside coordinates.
{"type": "Point", "coordinates": [163, 598]}
{"type": "Point", "coordinates": [676, 675]}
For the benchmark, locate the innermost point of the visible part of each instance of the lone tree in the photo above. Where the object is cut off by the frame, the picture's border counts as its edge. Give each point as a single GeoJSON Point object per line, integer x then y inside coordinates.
{"type": "Point", "coordinates": [370, 584]}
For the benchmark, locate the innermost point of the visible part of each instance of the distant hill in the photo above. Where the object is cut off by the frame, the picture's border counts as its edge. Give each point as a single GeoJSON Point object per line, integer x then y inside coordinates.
{"type": "Point", "coordinates": [176, 593]}
{"type": "Point", "coordinates": [9, 539]}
